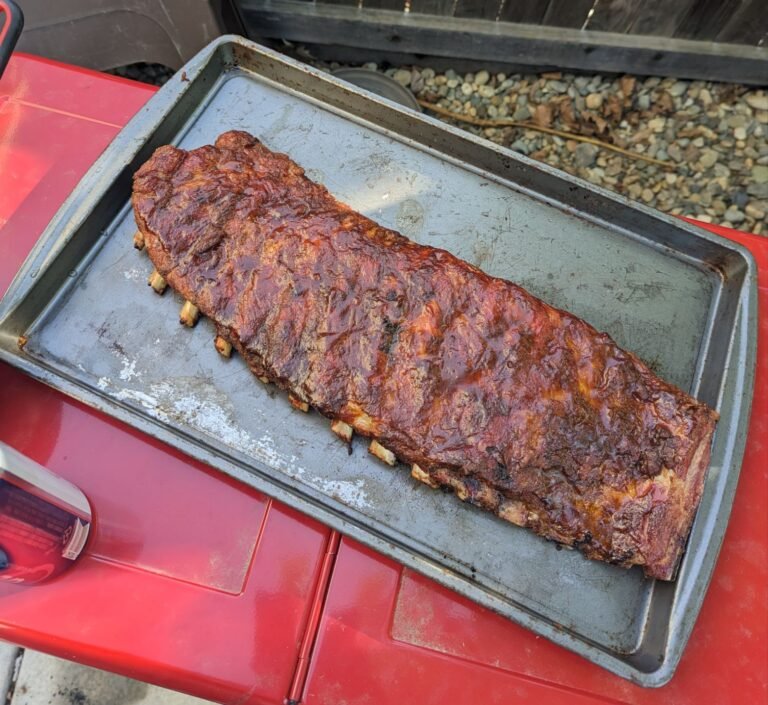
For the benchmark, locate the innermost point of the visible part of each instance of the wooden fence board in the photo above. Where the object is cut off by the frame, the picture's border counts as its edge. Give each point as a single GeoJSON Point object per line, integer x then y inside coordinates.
{"type": "Point", "coordinates": [747, 26]}
{"type": "Point", "coordinates": [523, 11]}
{"type": "Point", "coordinates": [477, 9]}
{"type": "Point", "coordinates": [568, 13]}
{"type": "Point", "coordinates": [706, 18]}
{"type": "Point", "coordinates": [504, 42]}
{"type": "Point", "coordinates": [613, 16]}
{"type": "Point", "coordinates": [432, 7]}
{"type": "Point", "coordinates": [660, 18]}
{"type": "Point", "coordinates": [398, 5]}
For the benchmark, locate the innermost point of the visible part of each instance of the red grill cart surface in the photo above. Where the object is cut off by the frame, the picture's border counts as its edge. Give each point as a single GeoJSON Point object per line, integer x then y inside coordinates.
{"type": "Point", "coordinates": [196, 583]}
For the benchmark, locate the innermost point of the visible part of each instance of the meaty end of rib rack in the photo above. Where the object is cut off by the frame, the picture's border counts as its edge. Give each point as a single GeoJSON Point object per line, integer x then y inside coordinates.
{"type": "Point", "coordinates": [520, 408]}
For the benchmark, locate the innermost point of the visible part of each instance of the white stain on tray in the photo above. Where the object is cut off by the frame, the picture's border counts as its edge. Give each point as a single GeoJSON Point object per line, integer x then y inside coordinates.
{"type": "Point", "coordinates": [349, 492]}
{"type": "Point", "coordinates": [199, 406]}
{"type": "Point", "coordinates": [134, 274]}
{"type": "Point", "coordinates": [178, 405]}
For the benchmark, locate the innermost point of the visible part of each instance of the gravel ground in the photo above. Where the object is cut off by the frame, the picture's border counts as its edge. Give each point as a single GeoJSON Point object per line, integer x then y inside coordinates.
{"type": "Point", "coordinates": [712, 138]}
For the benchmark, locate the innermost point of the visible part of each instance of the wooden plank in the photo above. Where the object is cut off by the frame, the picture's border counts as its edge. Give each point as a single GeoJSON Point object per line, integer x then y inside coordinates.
{"type": "Point", "coordinates": [432, 7]}
{"type": "Point", "coordinates": [351, 3]}
{"type": "Point", "coordinates": [477, 9]}
{"type": "Point", "coordinates": [426, 35]}
{"type": "Point", "coordinates": [613, 15]}
{"type": "Point", "coordinates": [398, 5]}
{"type": "Point", "coordinates": [568, 13]}
{"type": "Point", "coordinates": [747, 26]}
{"type": "Point", "coordinates": [660, 18]}
{"type": "Point", "coordinates": [706, 18]}
{"type": "Point", "coordinates": [523, 11]}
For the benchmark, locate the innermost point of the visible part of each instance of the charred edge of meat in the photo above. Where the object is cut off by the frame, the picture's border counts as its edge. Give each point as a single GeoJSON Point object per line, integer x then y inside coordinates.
{"type": "Point", "coordinates": [297, 403]}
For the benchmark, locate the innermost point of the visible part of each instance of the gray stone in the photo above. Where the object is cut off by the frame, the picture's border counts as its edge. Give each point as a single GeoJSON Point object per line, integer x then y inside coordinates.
{"type": "Point", "coordinates": [521, 113]}
{"type": "Point", "coordinates": [594, 101]}
{"type": "Point", "coordinates": [44, 680]}
{"type": "Point", "coordinates": [558, 86]}
{"type": "Point", "coordinates": [736, 121]}
{"type": "Point", "coordinates": [740, 199]}
{"type": "Point", "coordinates": [760, 174]}
{"type": "Point", "coordinates": [647, 195]}
{"type": "Point", "coordinates": [643, 101]}
{"type": "Point", "coordinates": [675, 152]}
{"type": "Point", "coordinates": [466, 89]}
{"type": "Point", "coordinates": [708, 158]}
{"type": "Point", "coordinates": [758, 190]}
{"type": "Point", "coordinates": [758, 101]}
{"type": "Point", "coordinates": [486, 91]}
{"type": "Point", "coordinates": [734, 215]}
{"type": "Point", "coordinates": [581, 83]}
{"type": "Point", "coordinates": [756, 209]}
{"type": "Point", "coordinates": [482, 77]}
{"type": "Point", "coordinates": [521, 146]}
{"type": "Point", "coordinates": [678, 89]}
{"type": "Point", "coordinates": [403, 77]}
{"type": "Point", "coordinates": [585, 155]}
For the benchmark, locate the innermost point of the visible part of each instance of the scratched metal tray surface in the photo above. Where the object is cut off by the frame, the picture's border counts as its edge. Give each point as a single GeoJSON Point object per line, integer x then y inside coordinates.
{"type": "Point", "coordinates": [682, 299]}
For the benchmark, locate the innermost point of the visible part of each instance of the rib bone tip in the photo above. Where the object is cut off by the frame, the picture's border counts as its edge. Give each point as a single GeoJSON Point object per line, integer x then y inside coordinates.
{"type": "Point", "coordinates": [382, 453]}
{"type": "Point", "coordinates": [342, 430]}
{"type": "Point", "coordinates": [297, 403]}
{"type": "Point", "coordinates": [157, 282]}
{"type": "Point", "coordinates": [224, 347]}
{"type": "Point", "coordinates": [418, 474]}
{"type": "Point", "coordinates": [263, 379]}
{"type": "Point", "coordinates": [189, 314]}
{"type": "Point", "coordinates": [138, 240]}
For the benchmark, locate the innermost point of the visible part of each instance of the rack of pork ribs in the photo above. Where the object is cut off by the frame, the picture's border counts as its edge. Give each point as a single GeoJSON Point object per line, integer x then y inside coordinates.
{"type": "Point", "coordinates": [520, 408]}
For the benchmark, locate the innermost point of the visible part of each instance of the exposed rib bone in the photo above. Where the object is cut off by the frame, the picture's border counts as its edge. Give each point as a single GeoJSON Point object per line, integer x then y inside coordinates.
{"type": "Point", "coordinates": [224, 347]}
{"type": "Point", "coordinates": [419, 474]}
{"type": "Point", "coordinates": [138, 240]}
{"type": "Point", "coordinates": [265, 380]}
{"type": "Point", "coordinates": [382, 453]}
{"type": "Point", "coordinates": [342, 430]}
{"type": "Point", "coordinates": [157, 282]}
{"type": "Point", "coordinates": [297, 403]}
{"type": "Point", "coordinates": [189, 314]}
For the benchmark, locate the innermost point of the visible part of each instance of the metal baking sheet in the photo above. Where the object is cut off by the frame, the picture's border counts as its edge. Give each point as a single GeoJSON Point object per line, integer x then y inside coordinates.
{"type": "Point", "coordinates": [682, 299]}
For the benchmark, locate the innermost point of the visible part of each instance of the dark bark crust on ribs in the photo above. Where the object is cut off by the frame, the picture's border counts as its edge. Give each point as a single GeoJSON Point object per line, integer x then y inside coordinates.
{"type": "Point", "coordinates": [521, 408]}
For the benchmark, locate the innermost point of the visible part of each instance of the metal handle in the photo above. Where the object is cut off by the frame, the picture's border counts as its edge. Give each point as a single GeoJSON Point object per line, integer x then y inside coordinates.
{"type": "Point", "coordinates": [13, 21]}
